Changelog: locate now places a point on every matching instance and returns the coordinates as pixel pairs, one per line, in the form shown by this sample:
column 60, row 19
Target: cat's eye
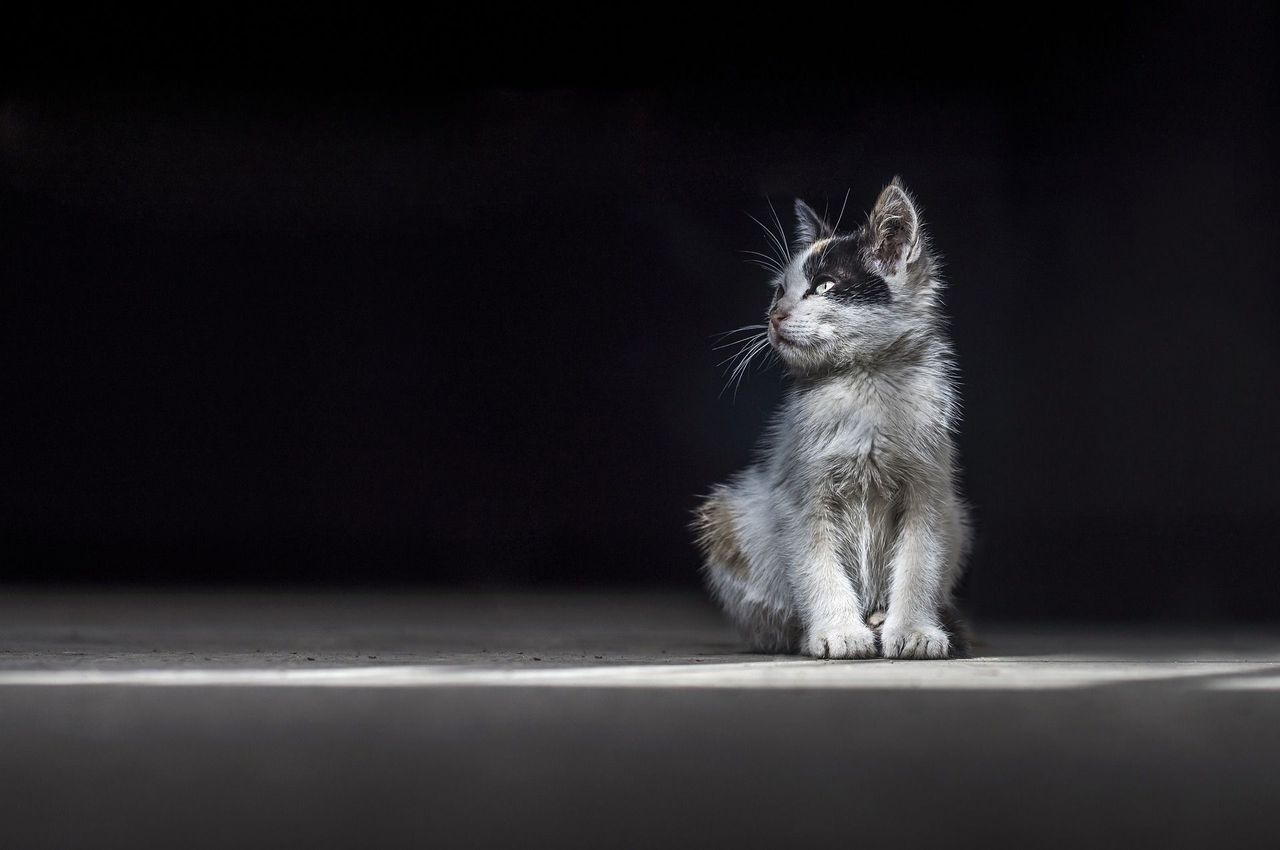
column 824, row 287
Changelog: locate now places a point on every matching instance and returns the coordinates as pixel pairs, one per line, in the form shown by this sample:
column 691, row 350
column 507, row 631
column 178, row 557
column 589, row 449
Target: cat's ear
column 895, row 230
column 810, row 227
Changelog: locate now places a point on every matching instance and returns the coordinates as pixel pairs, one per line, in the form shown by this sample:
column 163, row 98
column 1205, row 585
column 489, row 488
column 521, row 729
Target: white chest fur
column 878, row 428
column 839, row 421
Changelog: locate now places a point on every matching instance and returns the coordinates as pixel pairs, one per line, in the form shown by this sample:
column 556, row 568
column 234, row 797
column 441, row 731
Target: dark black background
column 347, row 302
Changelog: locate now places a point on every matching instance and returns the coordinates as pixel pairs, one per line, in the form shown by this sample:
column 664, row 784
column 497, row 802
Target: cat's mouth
column 782, row 340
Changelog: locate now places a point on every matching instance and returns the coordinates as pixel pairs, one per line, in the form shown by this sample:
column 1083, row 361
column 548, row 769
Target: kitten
column 846, row 537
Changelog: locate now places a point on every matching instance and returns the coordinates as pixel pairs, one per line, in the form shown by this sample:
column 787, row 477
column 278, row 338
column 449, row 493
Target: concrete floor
column 413, row 720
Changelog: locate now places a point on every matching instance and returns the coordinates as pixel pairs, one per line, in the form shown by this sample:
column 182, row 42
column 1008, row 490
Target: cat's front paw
column 852, row 641
column 914, row 640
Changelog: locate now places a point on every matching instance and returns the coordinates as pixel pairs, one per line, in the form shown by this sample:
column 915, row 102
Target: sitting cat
column 846, row 537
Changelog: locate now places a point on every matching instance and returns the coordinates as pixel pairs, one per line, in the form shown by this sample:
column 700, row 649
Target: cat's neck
column 911, row 351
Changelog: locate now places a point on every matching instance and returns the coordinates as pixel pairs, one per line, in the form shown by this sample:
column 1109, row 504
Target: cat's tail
column 957, row 629
column 740, row 586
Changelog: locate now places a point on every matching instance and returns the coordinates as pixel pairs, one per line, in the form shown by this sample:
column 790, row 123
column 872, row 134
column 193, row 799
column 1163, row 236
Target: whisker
column 840, row 217
column 733, row 342
column 743, row 328
column 765, row 260
column 782, row 231
column 746, row 345
column 733, row 381
column 742, row 342
column 784, row 255
column 759, row 362
column 740, row 370
column 744, row 368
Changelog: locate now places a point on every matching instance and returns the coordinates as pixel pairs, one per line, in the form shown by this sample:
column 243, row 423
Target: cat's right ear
column 810, row 227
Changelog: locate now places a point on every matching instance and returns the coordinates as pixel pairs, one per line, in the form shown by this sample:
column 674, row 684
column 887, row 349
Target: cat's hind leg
column 741, row 571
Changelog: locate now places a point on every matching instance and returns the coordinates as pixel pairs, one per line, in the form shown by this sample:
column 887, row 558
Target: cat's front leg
column 829, row 604
column 911, row 627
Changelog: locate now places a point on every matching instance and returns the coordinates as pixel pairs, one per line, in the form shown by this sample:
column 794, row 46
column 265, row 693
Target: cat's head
column 846, row 297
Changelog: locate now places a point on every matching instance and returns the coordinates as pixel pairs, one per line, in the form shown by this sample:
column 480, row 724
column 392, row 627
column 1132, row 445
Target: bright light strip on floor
column 797, row 674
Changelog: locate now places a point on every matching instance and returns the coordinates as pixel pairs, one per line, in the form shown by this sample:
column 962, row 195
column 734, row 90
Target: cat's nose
column 776, row 318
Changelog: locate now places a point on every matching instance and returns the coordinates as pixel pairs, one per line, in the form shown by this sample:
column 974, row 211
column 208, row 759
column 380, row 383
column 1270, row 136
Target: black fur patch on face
column 838, row 261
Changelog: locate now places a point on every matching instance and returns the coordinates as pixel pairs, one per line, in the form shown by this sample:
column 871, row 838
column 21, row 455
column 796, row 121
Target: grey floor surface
column 192, row 720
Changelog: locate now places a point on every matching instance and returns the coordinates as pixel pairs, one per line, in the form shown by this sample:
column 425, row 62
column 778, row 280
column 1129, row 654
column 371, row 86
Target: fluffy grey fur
column 845, row 538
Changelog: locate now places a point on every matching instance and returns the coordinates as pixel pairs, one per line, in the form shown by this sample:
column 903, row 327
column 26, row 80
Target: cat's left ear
column 895, row 229
column 810, row 227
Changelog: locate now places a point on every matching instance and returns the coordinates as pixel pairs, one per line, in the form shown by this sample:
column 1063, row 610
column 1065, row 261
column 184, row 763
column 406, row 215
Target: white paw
column 852, row 641
column 916, row 640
